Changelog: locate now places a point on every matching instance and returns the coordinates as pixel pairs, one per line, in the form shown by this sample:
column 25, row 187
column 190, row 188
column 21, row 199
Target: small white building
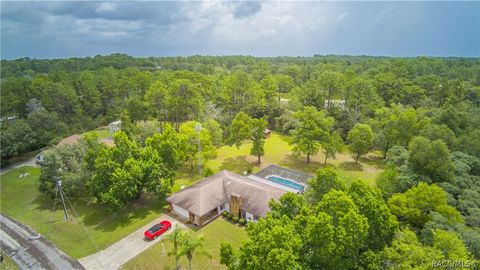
column 115, row 126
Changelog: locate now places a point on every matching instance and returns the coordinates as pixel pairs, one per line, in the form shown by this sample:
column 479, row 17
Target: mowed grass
column 102, row 133
column 7, row 263
column 92, row 229
column 156, row 257
column 278, row 151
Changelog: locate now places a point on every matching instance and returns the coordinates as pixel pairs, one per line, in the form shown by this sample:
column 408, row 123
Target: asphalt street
column 30, row 250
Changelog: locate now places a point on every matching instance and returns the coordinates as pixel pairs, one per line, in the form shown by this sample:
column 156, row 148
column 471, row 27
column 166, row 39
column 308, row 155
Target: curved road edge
column 30, row 250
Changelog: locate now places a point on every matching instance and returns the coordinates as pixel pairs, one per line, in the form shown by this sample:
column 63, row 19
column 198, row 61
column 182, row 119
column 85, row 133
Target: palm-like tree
column 190, row 245
column 176, row 237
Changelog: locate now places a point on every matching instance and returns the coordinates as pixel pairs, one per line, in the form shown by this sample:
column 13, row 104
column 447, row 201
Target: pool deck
column 271, row 183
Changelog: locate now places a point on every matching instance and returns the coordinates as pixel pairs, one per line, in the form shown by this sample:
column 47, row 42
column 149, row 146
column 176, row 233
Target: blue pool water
column 285, row 182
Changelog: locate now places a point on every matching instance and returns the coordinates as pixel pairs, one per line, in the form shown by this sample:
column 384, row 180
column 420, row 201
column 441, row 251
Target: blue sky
column 76, row 29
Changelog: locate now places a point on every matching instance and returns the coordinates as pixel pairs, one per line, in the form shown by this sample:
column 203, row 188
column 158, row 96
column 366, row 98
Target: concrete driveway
column 122, row 251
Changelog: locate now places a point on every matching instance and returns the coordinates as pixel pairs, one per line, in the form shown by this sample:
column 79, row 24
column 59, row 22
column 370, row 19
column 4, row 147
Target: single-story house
column 115, row 126
column 245, row 197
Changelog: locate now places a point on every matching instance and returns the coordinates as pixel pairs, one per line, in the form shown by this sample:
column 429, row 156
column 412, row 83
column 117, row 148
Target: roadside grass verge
column 8, row 263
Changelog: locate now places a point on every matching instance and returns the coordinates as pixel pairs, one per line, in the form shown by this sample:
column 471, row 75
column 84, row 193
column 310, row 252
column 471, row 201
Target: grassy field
column 7, row 263
column 278, row 151
column 101, row 132
column 218, row 231
column 93, row 230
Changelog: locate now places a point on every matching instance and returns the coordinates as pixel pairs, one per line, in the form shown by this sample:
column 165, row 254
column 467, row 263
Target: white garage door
column 182, row 212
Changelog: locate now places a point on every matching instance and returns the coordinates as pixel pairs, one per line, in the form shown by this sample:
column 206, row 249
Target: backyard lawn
column 21, row 200
column 218, row 231
column 278, row 151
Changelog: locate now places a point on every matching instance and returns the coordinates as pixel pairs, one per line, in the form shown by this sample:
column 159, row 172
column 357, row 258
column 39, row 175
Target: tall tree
column 331, row 83
column 331, row 146
column 430, row 159
column 89, row 94
column 416, row 204
column 325, row 180
column 361, row 139
column 244, row 128
column 311, row 129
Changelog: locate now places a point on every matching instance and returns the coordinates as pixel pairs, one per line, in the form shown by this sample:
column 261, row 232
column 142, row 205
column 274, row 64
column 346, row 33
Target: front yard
column 220, row 230
column 20, row 199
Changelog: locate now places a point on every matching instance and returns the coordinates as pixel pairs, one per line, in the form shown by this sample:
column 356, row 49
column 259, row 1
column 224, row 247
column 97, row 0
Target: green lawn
column 214, row 233
column 101, row 132
column 95, row 228
column 7, row 263
column 278, row 151
column 21, row 200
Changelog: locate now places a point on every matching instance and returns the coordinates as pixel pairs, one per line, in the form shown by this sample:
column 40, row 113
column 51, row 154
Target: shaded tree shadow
column 372, row 160
column 237, row 164
column 105, row 221
column 300, row 164
column 96, row 216
column 351, row 166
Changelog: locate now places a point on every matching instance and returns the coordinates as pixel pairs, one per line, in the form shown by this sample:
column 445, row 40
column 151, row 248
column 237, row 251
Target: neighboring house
column 115, row 126
column 245, row 197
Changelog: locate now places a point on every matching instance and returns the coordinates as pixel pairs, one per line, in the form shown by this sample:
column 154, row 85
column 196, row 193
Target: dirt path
column 122, row 251
column 30, row 250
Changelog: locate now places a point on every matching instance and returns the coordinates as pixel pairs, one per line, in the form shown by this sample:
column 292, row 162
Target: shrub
column 207, row 171
column 229, row 216
column 225, row 213
column 242, row 221
column 235, row 219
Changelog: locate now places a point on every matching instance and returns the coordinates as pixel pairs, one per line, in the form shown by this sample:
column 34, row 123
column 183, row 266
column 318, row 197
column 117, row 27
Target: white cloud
column 342, row 18
column 105, row 7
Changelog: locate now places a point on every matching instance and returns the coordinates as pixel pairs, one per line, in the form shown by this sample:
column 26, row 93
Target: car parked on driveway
column 157, row 230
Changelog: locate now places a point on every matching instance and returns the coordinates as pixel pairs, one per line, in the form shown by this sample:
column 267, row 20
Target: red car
column 157, row 230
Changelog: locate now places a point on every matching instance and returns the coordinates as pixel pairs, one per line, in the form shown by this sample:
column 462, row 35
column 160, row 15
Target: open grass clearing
column 278, row 151
column 220, row 230
column 102, row 132
column 93, row 230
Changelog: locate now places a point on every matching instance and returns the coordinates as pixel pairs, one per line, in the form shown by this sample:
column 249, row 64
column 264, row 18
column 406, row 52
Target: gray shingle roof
column 216, row 189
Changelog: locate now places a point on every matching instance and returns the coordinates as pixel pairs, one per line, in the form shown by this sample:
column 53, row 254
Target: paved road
column 31, row 162
column 30, row 250
column 122, row 251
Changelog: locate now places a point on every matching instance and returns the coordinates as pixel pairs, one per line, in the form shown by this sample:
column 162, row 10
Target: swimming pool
column 285, row 182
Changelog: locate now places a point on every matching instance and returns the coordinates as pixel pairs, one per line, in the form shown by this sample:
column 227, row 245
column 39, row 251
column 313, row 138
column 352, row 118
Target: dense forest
column 422, row 115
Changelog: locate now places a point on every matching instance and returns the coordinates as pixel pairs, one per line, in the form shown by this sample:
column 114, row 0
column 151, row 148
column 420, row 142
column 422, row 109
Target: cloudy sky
column 67, row 28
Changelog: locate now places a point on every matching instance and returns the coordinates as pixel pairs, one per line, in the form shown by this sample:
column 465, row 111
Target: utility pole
column 59, row 188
